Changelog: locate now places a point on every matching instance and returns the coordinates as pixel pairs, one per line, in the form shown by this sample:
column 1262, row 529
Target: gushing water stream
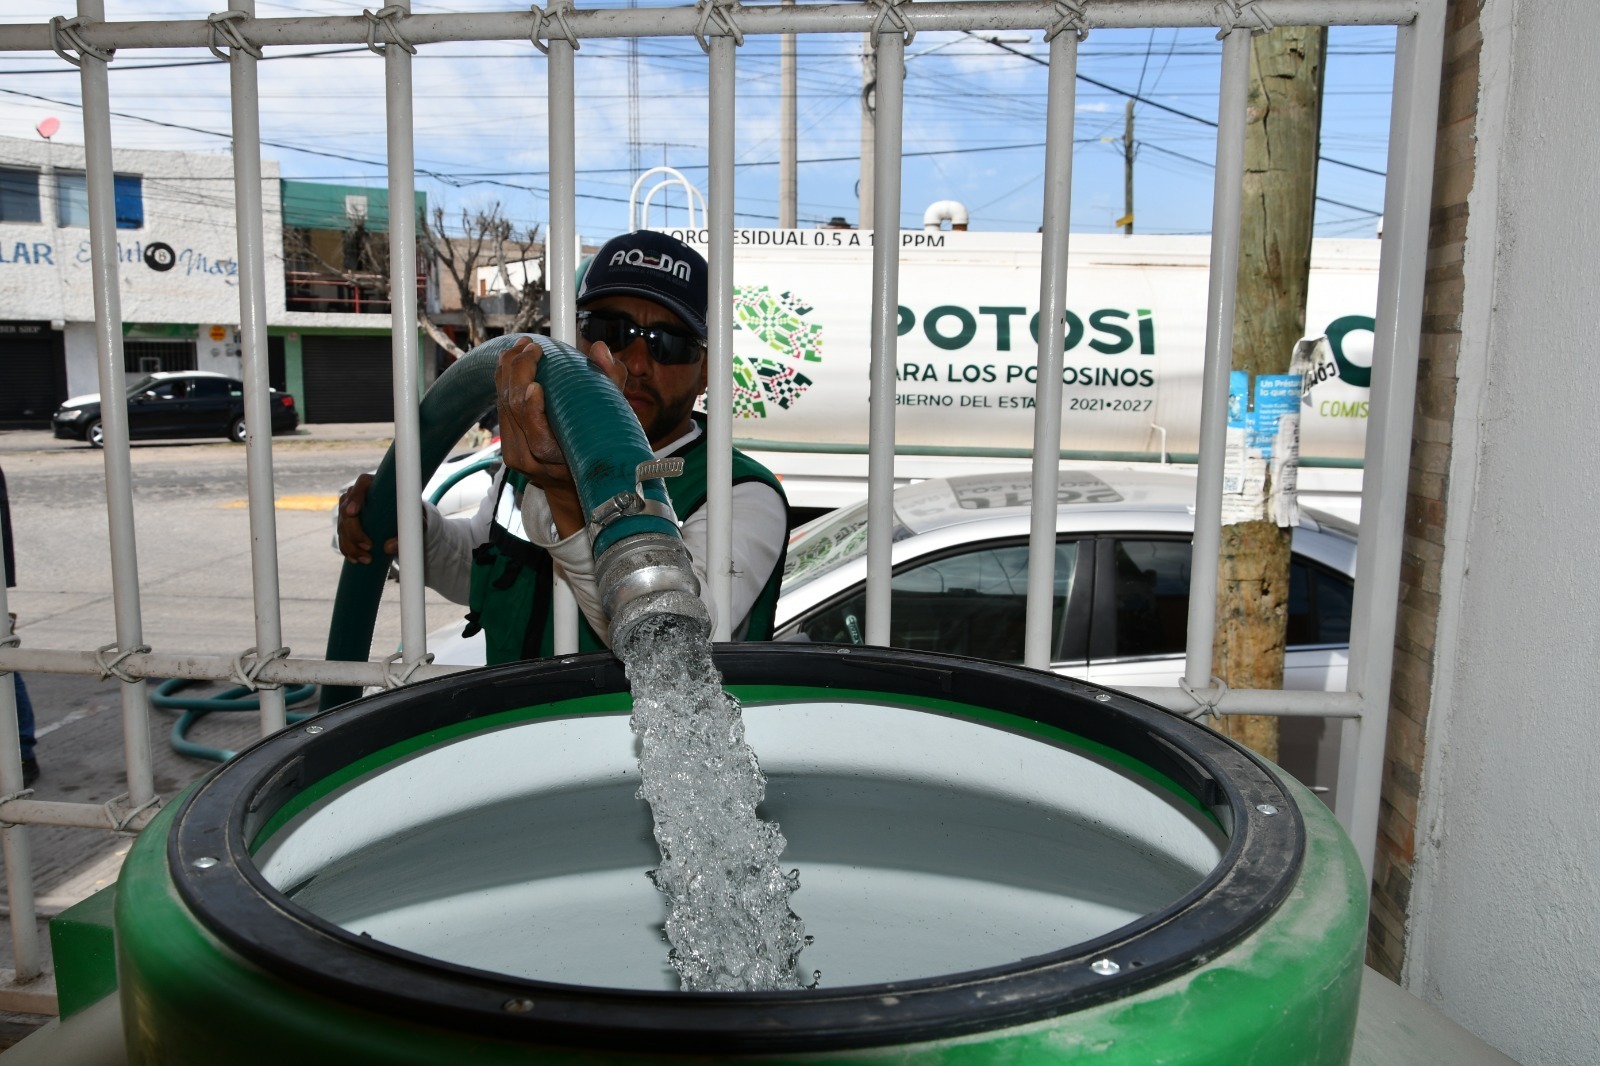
column 730, row 926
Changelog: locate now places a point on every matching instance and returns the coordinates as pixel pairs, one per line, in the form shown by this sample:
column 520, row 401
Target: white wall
column 1505, row 923
column 188, row 206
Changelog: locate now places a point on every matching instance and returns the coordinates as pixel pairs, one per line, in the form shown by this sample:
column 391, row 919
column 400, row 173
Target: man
column 642, row 320
column 30, row 765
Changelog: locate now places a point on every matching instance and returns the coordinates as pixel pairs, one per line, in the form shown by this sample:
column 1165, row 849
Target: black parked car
column 194, row 403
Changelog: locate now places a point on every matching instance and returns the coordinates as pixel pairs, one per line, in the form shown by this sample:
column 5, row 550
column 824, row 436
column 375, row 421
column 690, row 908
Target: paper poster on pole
column 1263, row 439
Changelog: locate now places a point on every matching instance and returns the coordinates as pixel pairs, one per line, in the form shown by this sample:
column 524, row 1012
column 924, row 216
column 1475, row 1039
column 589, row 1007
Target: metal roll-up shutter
column 347, row 379
column 33, row 373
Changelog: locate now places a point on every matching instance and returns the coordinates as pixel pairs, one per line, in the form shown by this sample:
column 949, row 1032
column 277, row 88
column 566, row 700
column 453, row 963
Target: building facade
column 327, row 309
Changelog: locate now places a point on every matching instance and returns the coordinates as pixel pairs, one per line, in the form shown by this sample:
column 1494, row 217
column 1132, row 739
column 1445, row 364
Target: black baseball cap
column 654, row 266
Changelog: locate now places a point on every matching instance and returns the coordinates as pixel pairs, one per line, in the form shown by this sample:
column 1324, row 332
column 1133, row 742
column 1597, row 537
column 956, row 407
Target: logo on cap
column 678, row 268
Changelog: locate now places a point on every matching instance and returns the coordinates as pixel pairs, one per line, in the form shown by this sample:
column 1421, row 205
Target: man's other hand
column 527, row 443
column 354, row 544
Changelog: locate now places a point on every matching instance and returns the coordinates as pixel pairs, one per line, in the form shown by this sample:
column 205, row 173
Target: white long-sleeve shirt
column 759, row 530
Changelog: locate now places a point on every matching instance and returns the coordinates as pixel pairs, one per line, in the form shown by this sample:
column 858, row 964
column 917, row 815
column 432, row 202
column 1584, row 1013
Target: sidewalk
column 43, row 440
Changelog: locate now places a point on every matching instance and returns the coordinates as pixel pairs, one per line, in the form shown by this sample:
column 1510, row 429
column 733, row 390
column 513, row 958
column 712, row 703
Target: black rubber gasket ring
column 235, row 903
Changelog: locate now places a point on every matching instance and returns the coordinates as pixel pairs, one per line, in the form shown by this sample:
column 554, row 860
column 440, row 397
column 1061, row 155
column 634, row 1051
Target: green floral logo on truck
column 771, row 374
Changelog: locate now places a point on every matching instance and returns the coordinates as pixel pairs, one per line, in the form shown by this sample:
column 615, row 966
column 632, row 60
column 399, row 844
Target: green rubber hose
column 457, row 400
column 578, row 399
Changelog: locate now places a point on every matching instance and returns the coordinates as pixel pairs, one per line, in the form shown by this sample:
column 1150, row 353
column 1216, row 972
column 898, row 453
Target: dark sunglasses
column 666, row 346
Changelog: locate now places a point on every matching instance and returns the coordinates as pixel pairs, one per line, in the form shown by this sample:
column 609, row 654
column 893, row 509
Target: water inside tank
column 927, row 844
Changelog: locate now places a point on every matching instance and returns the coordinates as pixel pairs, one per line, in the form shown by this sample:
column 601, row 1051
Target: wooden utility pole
column 1280, row 177
column 1127, row 167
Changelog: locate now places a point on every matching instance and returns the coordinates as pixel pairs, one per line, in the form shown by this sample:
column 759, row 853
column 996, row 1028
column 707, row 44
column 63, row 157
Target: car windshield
column 829, row 543
column 143, row 385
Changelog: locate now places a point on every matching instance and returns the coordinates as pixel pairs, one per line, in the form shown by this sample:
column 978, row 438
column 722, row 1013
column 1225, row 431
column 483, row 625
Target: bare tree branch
column 440, row 337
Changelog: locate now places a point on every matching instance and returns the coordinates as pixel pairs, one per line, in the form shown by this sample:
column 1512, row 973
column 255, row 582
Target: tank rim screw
column 1266, row 808
column 1103, row 698
column 205, row 862
column 518, row 1005
column 313, row 729
column 1104, row 967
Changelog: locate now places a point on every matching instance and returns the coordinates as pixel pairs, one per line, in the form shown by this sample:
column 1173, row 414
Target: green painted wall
column 318, row 206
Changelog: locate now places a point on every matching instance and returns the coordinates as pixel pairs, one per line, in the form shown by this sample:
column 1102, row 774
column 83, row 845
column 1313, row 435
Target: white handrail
column 638, row 216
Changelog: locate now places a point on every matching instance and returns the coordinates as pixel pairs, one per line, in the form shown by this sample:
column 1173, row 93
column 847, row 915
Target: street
column 195, row 595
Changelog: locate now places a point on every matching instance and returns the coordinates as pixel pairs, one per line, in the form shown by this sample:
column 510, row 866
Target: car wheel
column 237, row 431
column 95, row 434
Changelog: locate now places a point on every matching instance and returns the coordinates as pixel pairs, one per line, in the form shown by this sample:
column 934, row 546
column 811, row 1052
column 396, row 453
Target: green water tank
column 998, row 865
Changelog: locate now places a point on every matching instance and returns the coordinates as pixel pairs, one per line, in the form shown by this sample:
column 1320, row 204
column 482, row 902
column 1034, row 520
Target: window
column 211, row 388
column 1150, row 580
column 1319, row 605
column 973, row 603
column 19, row 195
column 175, row 389
column 72, row 199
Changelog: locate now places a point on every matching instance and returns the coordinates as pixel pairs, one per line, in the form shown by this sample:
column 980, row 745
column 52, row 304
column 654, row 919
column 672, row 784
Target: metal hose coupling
column 649, row 576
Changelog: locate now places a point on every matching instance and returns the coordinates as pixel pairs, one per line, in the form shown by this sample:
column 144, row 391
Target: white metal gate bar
column 1059, row 123
column 1402, row 266
column 245, row 99
column 719, row 391
column 888, row 94
column 113, row 382
column 1418, row 60
column 1227, row 207
column 403, row 301
column 561, row 253
column 435, row 28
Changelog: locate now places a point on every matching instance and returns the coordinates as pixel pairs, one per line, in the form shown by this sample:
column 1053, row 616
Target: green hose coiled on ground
column 195, row 708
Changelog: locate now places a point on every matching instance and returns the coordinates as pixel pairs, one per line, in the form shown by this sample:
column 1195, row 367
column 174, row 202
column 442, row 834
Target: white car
column 960, row 559
column 1123, row 559
column 960, row 576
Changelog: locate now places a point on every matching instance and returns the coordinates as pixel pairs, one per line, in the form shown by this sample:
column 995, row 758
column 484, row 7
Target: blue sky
column 974, row 122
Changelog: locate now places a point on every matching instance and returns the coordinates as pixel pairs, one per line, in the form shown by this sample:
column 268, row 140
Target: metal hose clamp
column 721, row 11
column 892, row 12
column 222, row 26
column 64, row 34
column 628, row 504
column 387, row 18
column 1072, row 17
column 544, row 17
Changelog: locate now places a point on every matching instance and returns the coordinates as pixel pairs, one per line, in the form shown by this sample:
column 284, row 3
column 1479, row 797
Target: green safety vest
column 512, row 578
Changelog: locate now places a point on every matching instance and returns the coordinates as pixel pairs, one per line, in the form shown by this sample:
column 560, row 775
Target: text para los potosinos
column 951, row 327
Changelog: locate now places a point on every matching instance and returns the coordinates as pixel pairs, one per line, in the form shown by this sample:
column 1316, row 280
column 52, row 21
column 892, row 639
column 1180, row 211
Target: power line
column 1212, row 165
column 486, row 177
column 996, row 42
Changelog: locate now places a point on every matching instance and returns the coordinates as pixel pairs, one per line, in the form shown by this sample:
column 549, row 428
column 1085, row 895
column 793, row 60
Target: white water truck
column 965, row 354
